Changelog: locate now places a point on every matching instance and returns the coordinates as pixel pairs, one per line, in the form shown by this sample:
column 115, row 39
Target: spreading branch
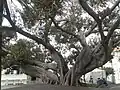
column 116, row 44
column 19, row 30
column 90, row 31
column 46, row 66
column 110, row 32
column 108, row 12
column 81, row 37
column 1, row 11
column 89, row 10
column 61, row 62
column 35, row 71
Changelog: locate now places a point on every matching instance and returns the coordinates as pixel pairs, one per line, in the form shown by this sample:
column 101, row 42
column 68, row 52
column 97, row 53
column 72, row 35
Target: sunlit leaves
column 37, row 10
column 101, row 3
column 21, row 52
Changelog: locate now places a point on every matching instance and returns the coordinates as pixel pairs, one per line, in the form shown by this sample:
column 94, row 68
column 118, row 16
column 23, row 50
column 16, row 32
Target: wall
column 95, row 74
column 13, row 79
column 116, row 66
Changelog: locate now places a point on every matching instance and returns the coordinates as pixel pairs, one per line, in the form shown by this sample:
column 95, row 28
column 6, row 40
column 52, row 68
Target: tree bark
column 38, row 63
column 61, row 64
column 1, row 12
column 39, row 72
column 82, row 60
column 87, row 61
column 0, row 57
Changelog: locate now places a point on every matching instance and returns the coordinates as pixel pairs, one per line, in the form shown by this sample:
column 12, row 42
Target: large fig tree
column 81, row 34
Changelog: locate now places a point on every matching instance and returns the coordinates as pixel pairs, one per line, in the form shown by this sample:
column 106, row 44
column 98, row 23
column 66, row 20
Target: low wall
column 13, row 79
column 55, row 87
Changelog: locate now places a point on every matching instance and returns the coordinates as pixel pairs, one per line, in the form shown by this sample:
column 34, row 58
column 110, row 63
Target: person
column 104, row 82
column 91, row 80
column 101, row 83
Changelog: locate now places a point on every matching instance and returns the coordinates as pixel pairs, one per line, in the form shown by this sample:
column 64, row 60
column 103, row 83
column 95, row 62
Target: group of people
column 100, row 82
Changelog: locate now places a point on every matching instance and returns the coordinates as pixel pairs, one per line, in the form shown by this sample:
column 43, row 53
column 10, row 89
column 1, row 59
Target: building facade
column 98, row 73
column 13, row 79
column 115, row 64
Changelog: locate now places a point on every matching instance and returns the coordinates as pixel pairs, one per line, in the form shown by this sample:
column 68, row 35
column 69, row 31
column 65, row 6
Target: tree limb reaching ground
column 75, row 32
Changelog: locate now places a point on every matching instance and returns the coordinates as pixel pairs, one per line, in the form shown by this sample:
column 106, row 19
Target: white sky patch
column 92, row 36
column 67, row 53
column 16, row 4
column 53, row 42
column 20, row 36
column 109, row 4
column 5, row 22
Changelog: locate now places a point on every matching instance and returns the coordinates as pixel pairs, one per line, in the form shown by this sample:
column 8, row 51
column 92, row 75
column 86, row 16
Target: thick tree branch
column 95, row 64
column 106, row 12
column 80, row 37
column 116, row 4
column 19, row 30
column 110, row 32
column 90, row 31
column 1, row 19
column 98, row 59
column 47, row 27
column 35, row 71
column 116, row 41
column 94, row 15
column 82, row 60
column 116, row 44
column 1, row 11
column 89, row 10
column 46, row 66
column 33, row 37
column 101, row 30
column 60, row 60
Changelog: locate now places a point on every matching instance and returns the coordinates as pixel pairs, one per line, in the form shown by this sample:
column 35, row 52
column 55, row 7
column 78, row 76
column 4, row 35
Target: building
column 13, row 79
column 95, row 74
column 115, row 64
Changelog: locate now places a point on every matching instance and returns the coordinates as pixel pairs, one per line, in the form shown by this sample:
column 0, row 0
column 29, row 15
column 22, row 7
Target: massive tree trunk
column 1, row 19
column 87, row 61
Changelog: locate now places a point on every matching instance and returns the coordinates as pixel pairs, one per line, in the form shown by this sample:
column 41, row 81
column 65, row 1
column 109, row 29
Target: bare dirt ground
column 56, row 87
